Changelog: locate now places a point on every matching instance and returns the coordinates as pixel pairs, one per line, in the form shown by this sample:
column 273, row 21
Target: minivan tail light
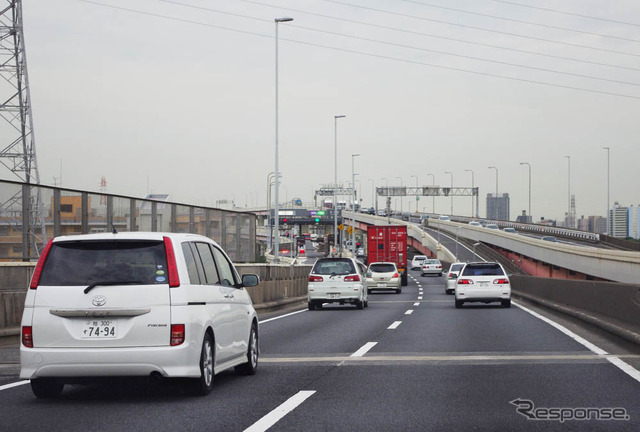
column 35, row 279
column 352, row 278
column 177, row 334
column 313, row 278
column 501, row 281
column 172, row 268
column 465, row 282
column 27, row 336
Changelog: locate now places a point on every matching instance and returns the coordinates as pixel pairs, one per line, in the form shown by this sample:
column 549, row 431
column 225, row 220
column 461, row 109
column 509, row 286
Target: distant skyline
column 177, row 97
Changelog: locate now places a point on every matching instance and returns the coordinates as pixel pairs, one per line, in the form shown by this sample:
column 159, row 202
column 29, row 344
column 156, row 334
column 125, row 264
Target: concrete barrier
column 612, row 306
column 279, row 285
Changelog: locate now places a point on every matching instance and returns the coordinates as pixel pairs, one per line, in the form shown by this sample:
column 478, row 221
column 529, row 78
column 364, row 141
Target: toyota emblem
column 99, row 300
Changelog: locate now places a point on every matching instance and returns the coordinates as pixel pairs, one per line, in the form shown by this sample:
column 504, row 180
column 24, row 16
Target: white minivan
column 136, row 304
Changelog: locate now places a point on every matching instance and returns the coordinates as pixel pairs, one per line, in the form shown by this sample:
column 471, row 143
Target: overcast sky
column 179, row 99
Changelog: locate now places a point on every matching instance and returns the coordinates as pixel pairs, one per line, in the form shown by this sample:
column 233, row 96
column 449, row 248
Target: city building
column 498, row 207
column 619, row 221
column 524, row 218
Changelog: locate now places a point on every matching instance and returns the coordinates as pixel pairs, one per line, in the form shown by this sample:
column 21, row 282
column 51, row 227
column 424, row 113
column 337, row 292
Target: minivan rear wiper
column 109, row 283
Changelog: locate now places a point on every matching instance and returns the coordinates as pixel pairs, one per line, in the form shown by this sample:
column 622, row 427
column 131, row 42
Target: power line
column 518, row 21
column 481, row 28
column 436, row 36
column 411, row 47
column 364, row 53
column 567, row 13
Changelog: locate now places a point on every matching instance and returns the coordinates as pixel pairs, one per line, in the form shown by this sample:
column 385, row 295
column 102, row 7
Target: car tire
column 44, row 388
column 318, row 304
column 505, row 303
column 360, row 304
column 368, row 291
column 459, row 303
column 312, row 306
column 399, row 290
column 366, row 303
column 251, row 366
column 202, row 386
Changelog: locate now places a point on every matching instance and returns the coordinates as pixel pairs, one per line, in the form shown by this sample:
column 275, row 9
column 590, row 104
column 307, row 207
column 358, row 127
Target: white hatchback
column 417, row 261
column 337, row 280
column 136, row 304
column 484, row 282
column 452, row 277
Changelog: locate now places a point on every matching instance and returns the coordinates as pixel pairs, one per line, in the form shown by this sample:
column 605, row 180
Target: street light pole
column 386, row 185
column 607, row 214
column 335, row 179
column 451, row 191
column 353, row 201
column 433, row 197
column 569, row 221
column 373, row 205
column 473, row 186
column 527, row 164
column 277, row 170
column 400, row 195
column 496, row 191
column 417, row 196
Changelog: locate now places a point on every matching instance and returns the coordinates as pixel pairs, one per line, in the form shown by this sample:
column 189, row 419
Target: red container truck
column 388, row 243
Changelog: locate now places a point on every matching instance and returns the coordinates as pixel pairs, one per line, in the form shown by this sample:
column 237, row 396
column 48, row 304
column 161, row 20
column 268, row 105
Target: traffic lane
column 384, row 397
column 117, row 405
column 435, row 325
column 334, row 328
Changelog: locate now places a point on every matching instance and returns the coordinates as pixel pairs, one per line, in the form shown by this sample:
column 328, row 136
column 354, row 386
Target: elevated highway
column 536, row 257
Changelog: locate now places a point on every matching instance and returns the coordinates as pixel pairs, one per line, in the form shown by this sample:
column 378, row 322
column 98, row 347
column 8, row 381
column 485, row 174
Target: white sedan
column 484, row 282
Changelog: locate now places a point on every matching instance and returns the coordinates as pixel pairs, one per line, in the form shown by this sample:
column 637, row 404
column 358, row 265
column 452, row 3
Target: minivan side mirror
column 250, row 280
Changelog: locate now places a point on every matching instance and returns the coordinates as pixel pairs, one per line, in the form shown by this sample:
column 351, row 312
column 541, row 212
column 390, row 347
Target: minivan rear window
column 83, row 263
column 334, row 266
column 382, row 268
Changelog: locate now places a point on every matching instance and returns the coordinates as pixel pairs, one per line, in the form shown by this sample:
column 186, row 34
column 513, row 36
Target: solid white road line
column 272, row 418
column 626, row 368
column 15, row 384
column 283, row 316
column 365, row 348
column 409, row 312
column 394, row 325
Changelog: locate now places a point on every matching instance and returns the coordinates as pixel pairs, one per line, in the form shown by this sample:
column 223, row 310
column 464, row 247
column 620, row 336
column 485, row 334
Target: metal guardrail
column 32, row 214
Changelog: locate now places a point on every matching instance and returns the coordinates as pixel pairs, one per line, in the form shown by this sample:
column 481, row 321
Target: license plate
column 99, row 329
column 334, row 295
column 382, row 285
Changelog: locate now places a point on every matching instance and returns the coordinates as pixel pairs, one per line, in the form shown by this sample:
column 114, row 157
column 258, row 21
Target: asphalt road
column 419, row 364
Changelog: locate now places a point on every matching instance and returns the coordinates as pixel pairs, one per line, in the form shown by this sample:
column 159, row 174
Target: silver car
column 431, row 266
column 383, row 276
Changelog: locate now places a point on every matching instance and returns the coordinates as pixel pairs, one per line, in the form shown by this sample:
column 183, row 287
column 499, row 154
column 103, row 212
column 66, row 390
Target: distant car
column 510, row 230
column 360, row 252
column 431, row 266
column 444, row 218
column 452, row 277
column 337, row 280
column 484, row 282
column 136, row 304
column 371, row 211
column 492, row 226
column 416, row 262
column 550, row 238
column 475, row 223
column 382, row 213
column 383, row 276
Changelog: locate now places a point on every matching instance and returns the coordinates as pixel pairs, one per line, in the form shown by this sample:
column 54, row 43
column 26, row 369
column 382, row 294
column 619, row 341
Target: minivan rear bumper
column 176, row 361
